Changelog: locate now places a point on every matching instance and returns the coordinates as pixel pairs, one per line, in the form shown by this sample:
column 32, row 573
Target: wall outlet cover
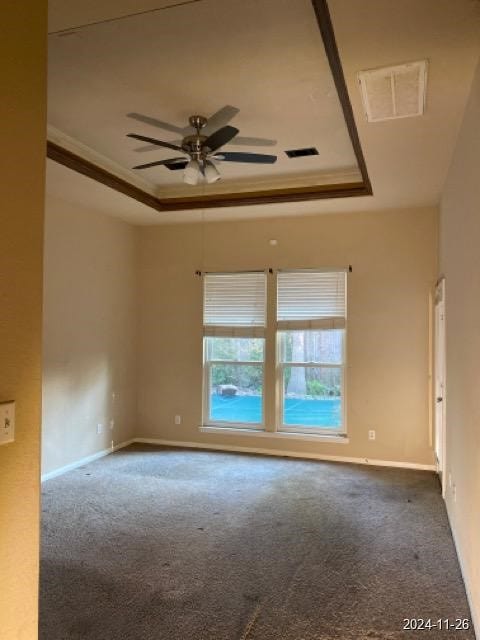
column 7, row 422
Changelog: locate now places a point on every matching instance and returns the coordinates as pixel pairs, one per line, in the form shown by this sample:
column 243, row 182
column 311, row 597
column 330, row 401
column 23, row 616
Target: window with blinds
column 234, row 304
column 311, row 313
column 304, row 349
column 311, row 299
column 234, row 319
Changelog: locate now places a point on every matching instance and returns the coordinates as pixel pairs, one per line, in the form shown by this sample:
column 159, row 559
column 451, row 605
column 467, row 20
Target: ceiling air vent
column 299, row 153
column 394, row 92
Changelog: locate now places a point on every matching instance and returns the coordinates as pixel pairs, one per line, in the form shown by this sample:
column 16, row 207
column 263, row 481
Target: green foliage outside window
column 247, row 378
column 244, row 377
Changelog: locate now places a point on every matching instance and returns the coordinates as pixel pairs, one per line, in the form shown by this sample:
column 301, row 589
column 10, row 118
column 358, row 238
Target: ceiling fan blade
column 153, row 147
column 220, row 137
column 254, row 142
column 160, row 162
column 238, row 140
column 157, row 123
column 239, row 156
column 154, row 141
column 149, row 147
column 219, row 119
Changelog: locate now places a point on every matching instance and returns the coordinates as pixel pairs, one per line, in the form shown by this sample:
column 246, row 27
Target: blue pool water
column 309, row 412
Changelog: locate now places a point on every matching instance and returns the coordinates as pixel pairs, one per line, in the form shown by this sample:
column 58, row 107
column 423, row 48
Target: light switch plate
column 7, row 422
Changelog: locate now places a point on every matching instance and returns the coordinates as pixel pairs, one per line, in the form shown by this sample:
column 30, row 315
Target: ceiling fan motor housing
column 193, row 145
column 197, row 122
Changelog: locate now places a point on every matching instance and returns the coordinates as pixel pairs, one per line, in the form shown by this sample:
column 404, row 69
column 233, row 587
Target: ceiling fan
column 201, row 152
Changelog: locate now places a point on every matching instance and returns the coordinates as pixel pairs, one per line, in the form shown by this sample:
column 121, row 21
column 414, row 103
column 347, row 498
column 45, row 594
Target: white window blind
column 311, row 299
column 234, row 304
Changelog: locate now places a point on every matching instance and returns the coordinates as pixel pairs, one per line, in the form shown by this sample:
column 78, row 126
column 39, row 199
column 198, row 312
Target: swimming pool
column 321, row 412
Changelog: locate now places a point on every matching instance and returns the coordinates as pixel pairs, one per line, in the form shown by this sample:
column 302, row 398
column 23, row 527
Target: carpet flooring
column 156, row 543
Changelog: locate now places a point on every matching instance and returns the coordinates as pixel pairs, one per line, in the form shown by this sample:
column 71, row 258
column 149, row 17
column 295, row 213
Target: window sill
column 256, row 433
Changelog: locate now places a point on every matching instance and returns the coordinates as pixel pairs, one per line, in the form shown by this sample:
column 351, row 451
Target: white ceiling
column 407, row 159
column 261, row 56
column 70, row 14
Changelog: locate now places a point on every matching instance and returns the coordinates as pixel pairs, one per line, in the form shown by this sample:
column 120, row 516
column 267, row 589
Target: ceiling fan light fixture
column 211, row 172
column 192, row 172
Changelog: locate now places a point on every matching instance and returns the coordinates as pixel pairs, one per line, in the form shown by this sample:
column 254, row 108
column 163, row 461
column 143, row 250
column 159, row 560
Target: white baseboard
column 259, row 450
column 287, row 454
column 471, row 602
column 79, row 463
column 278, row 435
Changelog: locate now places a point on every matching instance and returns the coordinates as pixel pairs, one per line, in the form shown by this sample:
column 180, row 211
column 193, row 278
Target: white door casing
column 440, row 382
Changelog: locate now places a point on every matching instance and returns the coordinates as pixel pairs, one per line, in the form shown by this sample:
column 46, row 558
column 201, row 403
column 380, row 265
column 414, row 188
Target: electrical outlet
column 450, row 479
column 178, row 419
column 7, row 422
column 112, row 424
column 371, row 434
column 99, row 428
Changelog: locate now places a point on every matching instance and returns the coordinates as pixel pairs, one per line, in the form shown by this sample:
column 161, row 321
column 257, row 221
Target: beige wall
column 89, row 372
column 460, row 263
column 394, row 268
column 22, row 118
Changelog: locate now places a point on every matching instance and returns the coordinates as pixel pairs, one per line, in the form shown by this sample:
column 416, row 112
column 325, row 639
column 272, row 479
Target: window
column 309, row 354
column 311, row 380
column 234, row 349
column 311, row 313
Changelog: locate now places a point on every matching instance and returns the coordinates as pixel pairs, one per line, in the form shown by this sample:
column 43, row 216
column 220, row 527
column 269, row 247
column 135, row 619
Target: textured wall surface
column 89, row 375
column 394, row 268
column 22, row 116
column 460, row 264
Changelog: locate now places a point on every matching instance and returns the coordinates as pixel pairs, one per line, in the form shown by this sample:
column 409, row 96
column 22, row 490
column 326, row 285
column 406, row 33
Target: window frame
column 233, row 332
column 272, row 403
column 207, row 368
column 281, row 427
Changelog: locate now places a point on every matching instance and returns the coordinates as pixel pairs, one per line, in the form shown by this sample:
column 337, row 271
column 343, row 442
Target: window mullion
column 270, row 355
column 206, row 391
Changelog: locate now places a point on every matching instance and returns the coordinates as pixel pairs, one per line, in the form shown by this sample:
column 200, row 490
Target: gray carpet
column 153, row 543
